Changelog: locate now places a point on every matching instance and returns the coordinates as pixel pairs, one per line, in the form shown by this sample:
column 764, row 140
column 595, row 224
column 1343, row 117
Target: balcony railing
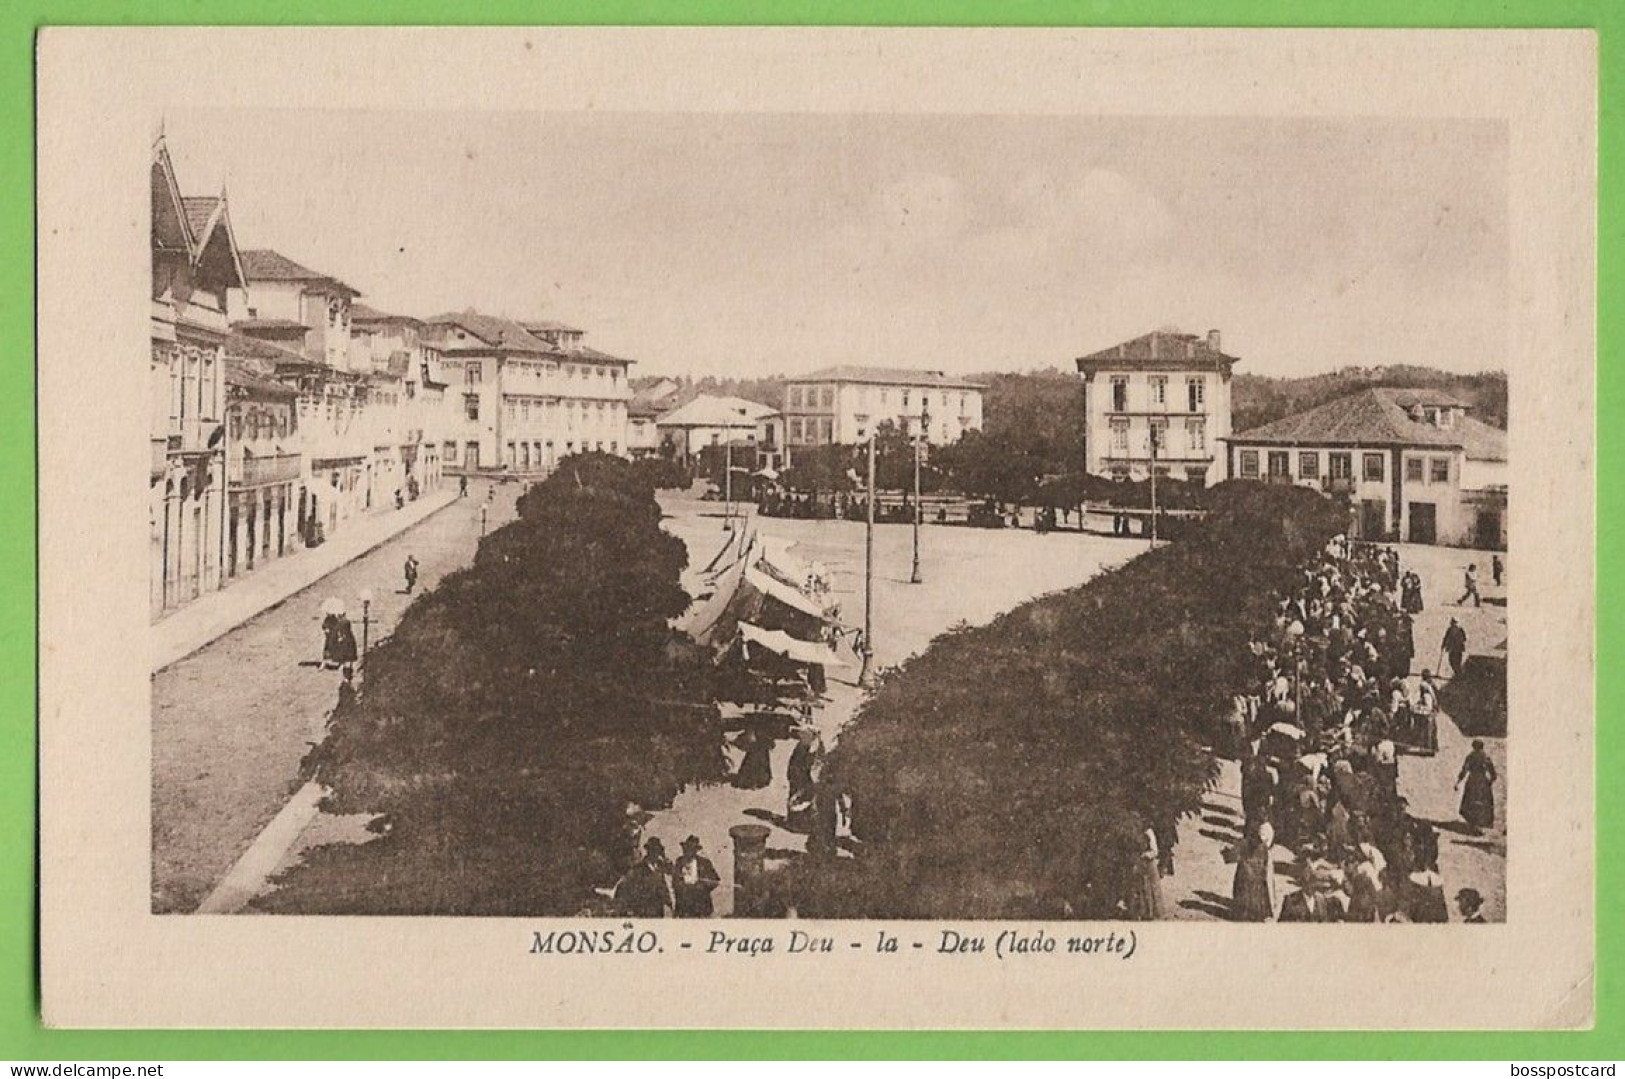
column 258, row 471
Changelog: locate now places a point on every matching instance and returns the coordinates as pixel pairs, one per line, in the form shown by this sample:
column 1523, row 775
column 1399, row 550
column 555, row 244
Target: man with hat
column 1471, row 905
column 1312, row 902
column 644, row 891
column 693, row 879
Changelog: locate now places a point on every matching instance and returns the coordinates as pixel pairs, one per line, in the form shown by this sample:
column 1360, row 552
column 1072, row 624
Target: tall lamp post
column 1153, row 485
column 866, row 676
column 728, row 483
column 366, row 621
column 919, row 510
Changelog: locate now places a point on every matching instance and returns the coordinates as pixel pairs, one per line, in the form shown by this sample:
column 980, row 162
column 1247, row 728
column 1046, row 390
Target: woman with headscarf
column 1144, row 899
column 1478, row 799
column 1253, row 893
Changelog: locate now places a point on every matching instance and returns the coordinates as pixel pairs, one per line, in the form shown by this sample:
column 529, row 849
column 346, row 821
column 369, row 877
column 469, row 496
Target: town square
column 464, row 609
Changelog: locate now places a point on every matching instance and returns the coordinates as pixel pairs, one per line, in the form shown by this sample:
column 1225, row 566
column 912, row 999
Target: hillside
column 1260, row 399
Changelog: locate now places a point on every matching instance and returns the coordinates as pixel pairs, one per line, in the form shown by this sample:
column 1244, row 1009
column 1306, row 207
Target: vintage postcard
column 816, row 528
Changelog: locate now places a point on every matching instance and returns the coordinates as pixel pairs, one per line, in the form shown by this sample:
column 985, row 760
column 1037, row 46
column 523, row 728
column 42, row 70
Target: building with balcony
column 1412, row 463
column 1160, row 401
column 835, row 405
column 195, row 265
column 405, row 399
column 264, row 465
column 521, row 396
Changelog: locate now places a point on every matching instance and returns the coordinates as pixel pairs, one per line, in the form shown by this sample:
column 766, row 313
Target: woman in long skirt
column 1253, row 894
column 756, row 769
column 1478, row 798
column 1145, row 884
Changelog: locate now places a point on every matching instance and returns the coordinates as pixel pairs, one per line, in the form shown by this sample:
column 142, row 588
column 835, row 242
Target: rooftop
column 1383, row 416
column 887, row 376
column 265, row 265
column 709, row 411
column 360, row 312
column 496, row 332
column 1160, row 347
column 547, row 325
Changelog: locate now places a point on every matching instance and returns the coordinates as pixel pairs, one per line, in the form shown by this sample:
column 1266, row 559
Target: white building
column 1412, row 463
column 1164, row 396
column 836, row 405
column 522, row 396
column 709, row 421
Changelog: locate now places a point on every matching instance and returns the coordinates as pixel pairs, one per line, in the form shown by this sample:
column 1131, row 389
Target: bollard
column 750, row 858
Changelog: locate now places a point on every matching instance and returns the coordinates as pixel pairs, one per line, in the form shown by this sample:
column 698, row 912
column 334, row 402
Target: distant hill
column 766, row 391
column 1261, row 399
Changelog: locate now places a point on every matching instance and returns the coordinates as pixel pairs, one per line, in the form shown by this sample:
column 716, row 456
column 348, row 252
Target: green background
column 22, row 1037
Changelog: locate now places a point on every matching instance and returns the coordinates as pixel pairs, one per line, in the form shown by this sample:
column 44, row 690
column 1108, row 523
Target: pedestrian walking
column 1253, row 891
column 1496, row 569
column 462, row 486
column 411, row 572
column 1478, row 798
column 806, row 762
column 1470, row 587
column 693, row 880
column 1455, row 646
column 1144, row 899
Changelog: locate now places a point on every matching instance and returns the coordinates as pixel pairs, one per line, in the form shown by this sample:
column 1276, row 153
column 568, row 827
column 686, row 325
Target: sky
column 775, row 244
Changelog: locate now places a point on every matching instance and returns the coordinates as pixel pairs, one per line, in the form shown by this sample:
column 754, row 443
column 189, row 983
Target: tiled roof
column 264, row 356
column 642, row 406
column 887, row 376
column 1378, row 417
column 1160, row 347
column 243, row 374
column 496, row 332
column 708, row 411
column 585, row 353
column 360, row 312
column 265, row 265
column 547, row 325
column 252, row 325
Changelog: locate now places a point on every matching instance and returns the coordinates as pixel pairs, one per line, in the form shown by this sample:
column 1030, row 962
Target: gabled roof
column 547, row 325
column 1160, row 348
column 200, row 213
column 1379, row 417
column 264, row 356
column 642, row 406
column 263, row 264
column 887, row 376
column 496, row 332
column 582, row 352
column 170, row 230
column 244, row 375
column 708, row 411
column 361, row 313
column 269, row 327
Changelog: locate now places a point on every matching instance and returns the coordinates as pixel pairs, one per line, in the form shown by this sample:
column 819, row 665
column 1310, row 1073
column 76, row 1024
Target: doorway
column 1424, row 522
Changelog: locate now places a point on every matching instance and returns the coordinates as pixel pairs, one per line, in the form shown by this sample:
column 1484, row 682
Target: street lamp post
column 366, row 621
column 728, row 482
column 919, row 510
column 866, row 676
column 1153, row 485
column 482, row 519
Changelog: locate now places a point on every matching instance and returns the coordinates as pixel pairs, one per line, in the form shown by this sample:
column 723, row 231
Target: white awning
column 791, row 648
column 786, row 595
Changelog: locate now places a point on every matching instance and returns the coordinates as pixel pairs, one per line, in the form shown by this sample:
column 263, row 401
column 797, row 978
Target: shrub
column 1010, row 769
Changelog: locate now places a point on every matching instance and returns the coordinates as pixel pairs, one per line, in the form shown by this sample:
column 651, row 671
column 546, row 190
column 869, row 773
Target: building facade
column 195, row 265
column 1413, row 465
column 837, row 405
column 264, row 465
column 1160, row 401
column 405, row 399
column 520, row 397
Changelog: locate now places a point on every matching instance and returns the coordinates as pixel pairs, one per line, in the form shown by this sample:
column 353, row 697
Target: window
column 1440, row 469
column 471, row 406
column 1249, row 464
column 449, row 452
column 1119, row 395
column 1413, row 470
column 1159, row 390
column 1196, row 393
column 826, row 397
column 1371, row 467
column 1119, row 436
column 473, row 373
column 1196, row 436
column 794, row 430
column 905, row 398
column 1279, row 462
column 1340, row 466
column 792, row 397
column 1308, row 465
column 1158, row 441
column 524, row 410
column 826, row 431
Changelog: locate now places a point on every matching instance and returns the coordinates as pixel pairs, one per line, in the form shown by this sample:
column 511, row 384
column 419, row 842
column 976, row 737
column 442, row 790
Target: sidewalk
column 209, row 617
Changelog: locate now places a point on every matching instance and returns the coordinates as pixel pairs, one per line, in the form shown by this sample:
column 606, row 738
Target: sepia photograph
column 835, row 517
column 638, row 520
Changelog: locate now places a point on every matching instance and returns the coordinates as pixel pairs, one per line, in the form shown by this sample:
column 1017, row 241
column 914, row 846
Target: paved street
column 231, row 722
column 971, row 575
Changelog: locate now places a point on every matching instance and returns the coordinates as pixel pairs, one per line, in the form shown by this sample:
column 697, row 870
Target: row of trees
column 1011, row 769
column 515, row 710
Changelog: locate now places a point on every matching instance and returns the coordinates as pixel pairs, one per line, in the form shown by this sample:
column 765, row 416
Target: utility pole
column 866, row 676
column 728, row 483
column 925, row 425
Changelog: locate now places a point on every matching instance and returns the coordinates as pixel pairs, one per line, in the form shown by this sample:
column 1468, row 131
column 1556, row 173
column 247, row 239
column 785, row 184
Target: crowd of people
column 1321, row 733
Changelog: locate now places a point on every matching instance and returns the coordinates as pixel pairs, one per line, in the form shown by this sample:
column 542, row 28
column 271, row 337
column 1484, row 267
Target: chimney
column 1213, row 340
